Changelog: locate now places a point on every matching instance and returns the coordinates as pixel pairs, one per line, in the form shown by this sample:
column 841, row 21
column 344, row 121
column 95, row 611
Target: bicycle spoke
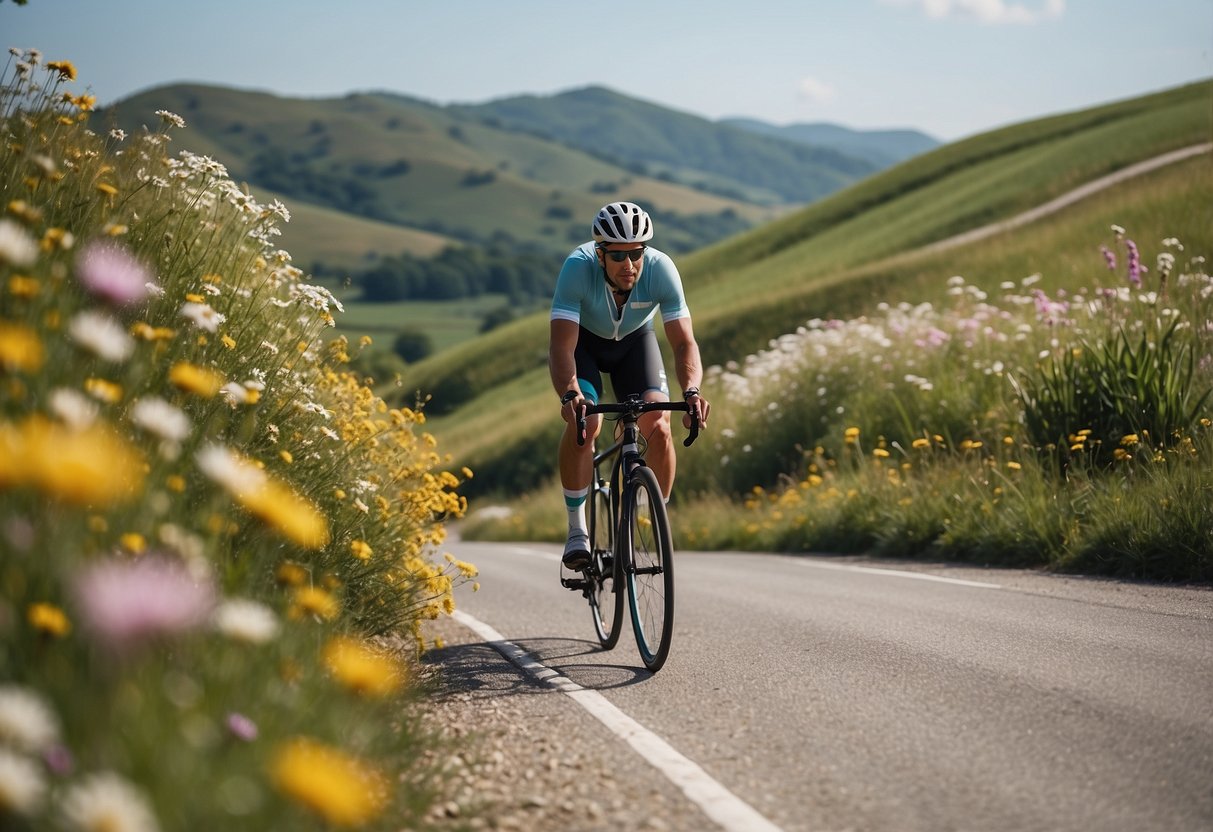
column 651, row 579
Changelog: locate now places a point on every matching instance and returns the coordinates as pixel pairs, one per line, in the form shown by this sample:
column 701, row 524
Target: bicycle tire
column 605, row 594
column 650, row 568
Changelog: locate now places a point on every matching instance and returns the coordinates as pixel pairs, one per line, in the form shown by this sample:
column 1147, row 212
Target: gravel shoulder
column 524, row 756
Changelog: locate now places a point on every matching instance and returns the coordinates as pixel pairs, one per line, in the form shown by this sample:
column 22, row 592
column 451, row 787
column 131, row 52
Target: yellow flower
column 23, row 287
column 147, row 332
column 107, row 189
column 970, row 444
column 362, row 668
column 342, row 789
column 880, row 452
column 921, row 443
column 93, row 466
column 133, row 542
column 361, row 549
column 291, row 574
column 65, row 69
column 102, row 390
column 20, row 348
column 1013, row 465
column 228, row 341
column 852, row 435
column 194, row 379
column 290, row 514
column 49, row 619
column 310, row 600
column 1130, row 440
column 176, row 483
column 286, row 457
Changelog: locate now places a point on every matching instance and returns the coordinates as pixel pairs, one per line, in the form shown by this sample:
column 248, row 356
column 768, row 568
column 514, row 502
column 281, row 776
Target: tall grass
column 216, row 541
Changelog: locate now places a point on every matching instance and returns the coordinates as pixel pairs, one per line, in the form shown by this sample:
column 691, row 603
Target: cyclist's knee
column 655, row 426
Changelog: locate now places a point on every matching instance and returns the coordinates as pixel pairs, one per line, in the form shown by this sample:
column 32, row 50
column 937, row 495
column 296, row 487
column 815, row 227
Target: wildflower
column 109, row 271
column 1129, row 440
column 1121, row 455
column 127, row 603
column 158, row 417
column 202, row 315
column 27, row 723
column 107, row 802
column 310, row 600
column 171, row 118
column 361, row 549
column 22, row 786
column 107, row 189
column 1109, row 257
column 20, row 348
column 241, row 727
column 17, row 248
column 49, row 619
column 73, row 408
column 194, row 379
column 1135, row 267
column 291, row 574
column 93, row 466
column 103, row 391
column 101, row 335
column 133, row 542
column 55, row 238
column 65, row 69
column 1013, row 465
column 20, row 286
column 880, row 453
column 851, row 435
column 361, row 668
column 340, row 788
column 246, row 620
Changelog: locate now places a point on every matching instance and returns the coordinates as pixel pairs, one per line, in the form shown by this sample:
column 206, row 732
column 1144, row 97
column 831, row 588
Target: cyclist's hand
column 699, row 408
column 574, row 408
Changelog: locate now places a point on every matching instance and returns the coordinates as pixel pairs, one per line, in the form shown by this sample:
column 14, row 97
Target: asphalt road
column 844, row 693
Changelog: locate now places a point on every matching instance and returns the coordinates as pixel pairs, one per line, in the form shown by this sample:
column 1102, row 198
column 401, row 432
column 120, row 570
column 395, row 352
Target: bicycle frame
column 637, row 523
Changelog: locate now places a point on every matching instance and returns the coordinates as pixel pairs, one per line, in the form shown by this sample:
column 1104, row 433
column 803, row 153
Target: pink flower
column 109, row 271
column 241, row 727
column 127, row 603
column 1109, row 258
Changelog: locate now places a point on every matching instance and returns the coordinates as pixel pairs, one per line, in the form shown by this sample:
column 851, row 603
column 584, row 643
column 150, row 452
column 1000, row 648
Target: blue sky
column 948, row 67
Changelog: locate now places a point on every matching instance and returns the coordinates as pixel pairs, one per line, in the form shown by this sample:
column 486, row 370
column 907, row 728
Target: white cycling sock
column 574, row 503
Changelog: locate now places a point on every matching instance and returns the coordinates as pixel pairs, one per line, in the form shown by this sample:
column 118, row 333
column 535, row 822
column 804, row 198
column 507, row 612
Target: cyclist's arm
column 688, row 365
column 561, row 345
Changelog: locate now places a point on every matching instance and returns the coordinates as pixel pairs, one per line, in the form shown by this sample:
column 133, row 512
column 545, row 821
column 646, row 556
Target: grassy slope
column 950, row 190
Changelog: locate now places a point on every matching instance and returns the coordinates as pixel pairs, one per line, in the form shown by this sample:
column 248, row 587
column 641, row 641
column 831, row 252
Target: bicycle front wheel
column 650, row 572
column 606, row 596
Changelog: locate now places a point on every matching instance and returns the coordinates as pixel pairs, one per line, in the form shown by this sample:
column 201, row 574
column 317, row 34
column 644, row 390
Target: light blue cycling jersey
column 584, row 297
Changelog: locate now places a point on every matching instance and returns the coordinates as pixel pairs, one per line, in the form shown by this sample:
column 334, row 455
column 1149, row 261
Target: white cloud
column 815, row 90
column 987, row 11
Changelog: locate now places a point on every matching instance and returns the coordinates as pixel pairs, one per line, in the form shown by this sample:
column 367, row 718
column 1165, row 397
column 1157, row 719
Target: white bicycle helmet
column 622, row 222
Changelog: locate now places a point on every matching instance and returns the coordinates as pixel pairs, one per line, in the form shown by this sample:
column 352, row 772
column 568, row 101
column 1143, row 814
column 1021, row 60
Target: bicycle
column 630, row 541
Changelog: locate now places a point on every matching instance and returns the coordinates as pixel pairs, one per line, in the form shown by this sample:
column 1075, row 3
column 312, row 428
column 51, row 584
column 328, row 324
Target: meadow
column 217, row 543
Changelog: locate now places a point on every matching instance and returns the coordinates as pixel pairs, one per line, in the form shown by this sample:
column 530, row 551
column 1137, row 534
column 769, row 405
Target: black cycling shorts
column 633, row 363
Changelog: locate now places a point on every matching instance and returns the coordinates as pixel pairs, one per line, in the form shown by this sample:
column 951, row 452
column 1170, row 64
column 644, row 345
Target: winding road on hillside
column 810, row 693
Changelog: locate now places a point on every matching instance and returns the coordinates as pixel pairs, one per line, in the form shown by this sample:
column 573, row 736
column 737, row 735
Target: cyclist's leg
column 642, row 372
column 576, row 461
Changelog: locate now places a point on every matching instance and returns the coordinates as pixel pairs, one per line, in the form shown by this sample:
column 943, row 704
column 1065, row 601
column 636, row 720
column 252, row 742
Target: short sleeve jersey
column 583, row 296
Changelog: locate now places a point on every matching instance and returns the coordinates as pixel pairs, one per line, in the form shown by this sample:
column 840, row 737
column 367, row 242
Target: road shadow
column 481, row 670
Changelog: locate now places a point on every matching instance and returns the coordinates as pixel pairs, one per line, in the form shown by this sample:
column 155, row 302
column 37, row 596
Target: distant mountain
column 880, row 147
column 369, row 175
column 693, row 151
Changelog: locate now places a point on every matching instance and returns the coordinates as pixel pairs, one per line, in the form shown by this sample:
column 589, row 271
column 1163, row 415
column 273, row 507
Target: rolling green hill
column 372, row 174
column 492, row 398
column 883, row 148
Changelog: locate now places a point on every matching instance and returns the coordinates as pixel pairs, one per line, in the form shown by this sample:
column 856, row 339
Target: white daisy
column 203, row 316
column 26, row 722
column 77, row 410
column 106, row 801
column 17, row 248
column 22, row 787
column 158, row 417
column 101, row 335
column 246, row 620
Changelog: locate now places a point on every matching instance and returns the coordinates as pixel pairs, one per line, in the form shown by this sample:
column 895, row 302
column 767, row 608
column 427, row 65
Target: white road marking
column 895, row 573
column 730, row 812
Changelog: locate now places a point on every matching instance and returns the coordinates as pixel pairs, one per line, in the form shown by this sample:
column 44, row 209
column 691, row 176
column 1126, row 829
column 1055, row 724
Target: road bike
column 630, row 543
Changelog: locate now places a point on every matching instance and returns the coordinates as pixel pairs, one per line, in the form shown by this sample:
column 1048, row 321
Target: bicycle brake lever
column 581, row 427
column 694, row 434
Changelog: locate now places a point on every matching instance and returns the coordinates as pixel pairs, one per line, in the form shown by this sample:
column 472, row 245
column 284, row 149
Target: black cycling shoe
column 576, row 551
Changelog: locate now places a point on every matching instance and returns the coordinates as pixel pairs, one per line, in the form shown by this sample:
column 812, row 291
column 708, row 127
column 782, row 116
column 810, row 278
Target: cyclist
column 607, row 296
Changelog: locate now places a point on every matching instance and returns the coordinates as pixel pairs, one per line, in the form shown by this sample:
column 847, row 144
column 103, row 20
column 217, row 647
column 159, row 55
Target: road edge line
column 728, row 810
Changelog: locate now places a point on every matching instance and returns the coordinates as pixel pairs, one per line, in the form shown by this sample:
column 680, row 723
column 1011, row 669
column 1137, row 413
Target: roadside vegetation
column 217, row 544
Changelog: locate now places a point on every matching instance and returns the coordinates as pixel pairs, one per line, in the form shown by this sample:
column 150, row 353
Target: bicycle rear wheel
column 650, row 573
column 605, row 595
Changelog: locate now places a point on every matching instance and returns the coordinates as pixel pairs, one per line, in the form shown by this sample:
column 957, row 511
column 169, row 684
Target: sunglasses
column 633, row 254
